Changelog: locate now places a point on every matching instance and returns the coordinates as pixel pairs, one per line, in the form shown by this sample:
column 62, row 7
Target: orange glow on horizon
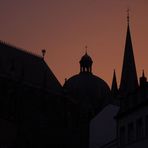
column 64, row 27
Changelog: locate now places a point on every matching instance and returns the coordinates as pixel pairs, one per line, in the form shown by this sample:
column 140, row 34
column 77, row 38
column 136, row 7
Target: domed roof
column 89, row 89
column 86, row 58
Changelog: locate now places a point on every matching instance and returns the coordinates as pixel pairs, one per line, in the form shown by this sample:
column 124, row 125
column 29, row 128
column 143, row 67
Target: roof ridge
column 20, row 49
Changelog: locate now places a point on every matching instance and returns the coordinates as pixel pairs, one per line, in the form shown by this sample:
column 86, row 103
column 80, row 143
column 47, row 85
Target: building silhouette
column 36, row 111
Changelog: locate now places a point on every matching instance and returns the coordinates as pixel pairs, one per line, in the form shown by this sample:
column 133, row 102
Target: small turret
column 86, row 63
column 114, row 88
column 143, row 80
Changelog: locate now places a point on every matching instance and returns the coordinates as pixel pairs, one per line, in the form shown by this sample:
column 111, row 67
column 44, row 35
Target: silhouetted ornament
column 43, row 53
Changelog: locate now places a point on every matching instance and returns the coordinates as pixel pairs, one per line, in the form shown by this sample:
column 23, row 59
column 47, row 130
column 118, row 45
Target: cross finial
column 86, row 49
column 128, row 15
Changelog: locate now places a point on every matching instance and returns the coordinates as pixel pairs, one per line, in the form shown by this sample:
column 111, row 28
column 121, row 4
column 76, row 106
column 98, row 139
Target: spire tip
column 128, row 16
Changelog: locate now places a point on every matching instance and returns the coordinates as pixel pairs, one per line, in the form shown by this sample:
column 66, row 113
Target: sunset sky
column 64, row 27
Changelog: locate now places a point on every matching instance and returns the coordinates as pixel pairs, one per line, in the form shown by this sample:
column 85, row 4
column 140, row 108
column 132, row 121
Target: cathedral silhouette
column 36, row 111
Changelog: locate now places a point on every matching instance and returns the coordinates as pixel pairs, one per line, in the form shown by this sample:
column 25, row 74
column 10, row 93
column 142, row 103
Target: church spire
column 114, row 88
column 129, row 81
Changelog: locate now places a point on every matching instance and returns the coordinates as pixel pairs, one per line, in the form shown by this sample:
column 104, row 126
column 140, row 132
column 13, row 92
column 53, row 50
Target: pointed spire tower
column 114, row 88
column 129, row 81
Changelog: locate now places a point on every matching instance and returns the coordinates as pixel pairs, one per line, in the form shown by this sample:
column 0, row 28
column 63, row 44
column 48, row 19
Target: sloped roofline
column 20, row 49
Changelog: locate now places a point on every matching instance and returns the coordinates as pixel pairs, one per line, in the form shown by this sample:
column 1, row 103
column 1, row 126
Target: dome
column 89, row 90
column 86, row 58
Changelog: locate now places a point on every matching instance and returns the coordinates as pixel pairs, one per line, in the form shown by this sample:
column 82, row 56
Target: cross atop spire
column 86, row 48
column 128, row 16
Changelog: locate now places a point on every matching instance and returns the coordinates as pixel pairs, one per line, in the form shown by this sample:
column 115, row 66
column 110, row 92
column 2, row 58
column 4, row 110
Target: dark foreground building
column 30, row 100
column 36, row 111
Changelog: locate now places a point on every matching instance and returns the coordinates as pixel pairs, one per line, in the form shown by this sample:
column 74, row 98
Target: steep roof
column 31, row 68
column 129, row 81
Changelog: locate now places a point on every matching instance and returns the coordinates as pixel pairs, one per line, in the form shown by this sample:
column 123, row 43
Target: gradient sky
column 64, row 27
